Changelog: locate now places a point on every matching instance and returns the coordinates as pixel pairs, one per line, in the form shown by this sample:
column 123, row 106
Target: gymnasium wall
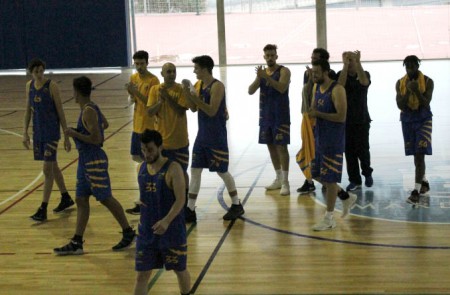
column 64, row 33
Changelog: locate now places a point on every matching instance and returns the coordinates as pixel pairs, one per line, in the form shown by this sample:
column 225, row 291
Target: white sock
column 329, row 215
column 191, row 203
column 278, row 173
column 417, row 186
column 235, row 200
column 310, row 181
column 424, row 178
column 285, row 176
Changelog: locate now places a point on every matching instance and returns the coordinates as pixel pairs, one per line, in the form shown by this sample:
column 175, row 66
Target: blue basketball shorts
column 45, row 151
column 275, row 134
column 327, row 167
column 417, row 137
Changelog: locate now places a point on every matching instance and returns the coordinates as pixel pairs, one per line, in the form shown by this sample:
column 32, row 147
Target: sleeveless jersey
column 330, row 136
column 45, row 117
column 212, row 131
column 273, row 105
column 84, row 146
column 157, row 200
column 419, row 115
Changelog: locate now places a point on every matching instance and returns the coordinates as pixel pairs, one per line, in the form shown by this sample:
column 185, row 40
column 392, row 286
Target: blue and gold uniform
column 211, row 144
column 274, row 113
column 92, row 172
column 417, row 122
column 329, row 140
column 46, row 130
column 157, row 198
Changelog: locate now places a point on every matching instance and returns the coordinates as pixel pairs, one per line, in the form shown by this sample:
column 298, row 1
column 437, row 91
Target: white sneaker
column 276, row 184
column 285, row 189
column 348, row 204
column 325, row 224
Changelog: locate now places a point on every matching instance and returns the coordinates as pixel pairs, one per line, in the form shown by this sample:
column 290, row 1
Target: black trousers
column 357, row 150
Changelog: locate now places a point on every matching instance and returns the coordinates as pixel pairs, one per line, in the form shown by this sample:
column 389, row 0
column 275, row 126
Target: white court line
column 22, row 190
column 29, row 185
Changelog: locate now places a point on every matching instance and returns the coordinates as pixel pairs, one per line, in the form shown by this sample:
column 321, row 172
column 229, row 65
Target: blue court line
column 222, row 202
column 227, row 231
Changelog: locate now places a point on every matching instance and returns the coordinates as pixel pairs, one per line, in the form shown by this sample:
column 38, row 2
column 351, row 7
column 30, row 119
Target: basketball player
column 138, row 88
column 43, row 103
column 274, row 115
column 414, row 93
column 211, row 144
column 162, row 230
column 330, row 109
column 307, row 91
column 92, row 173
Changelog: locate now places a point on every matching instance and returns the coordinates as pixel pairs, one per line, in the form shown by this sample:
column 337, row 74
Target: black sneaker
column 189, row 215
column 40, row 215
column 127, row 240
column 73, row 248
column 63, row 205
column 234, row 212
column 425, row 187
column 134, row 211
column 413, row 198
column 306, row 188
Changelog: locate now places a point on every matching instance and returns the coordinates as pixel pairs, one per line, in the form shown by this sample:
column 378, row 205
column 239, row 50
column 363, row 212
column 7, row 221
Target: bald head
column 169, row 73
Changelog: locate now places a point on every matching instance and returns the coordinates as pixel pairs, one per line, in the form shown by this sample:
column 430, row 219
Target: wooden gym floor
column 385, row 246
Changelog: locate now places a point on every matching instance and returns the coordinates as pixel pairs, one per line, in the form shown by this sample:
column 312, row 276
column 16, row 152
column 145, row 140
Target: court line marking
column 381, row 245
column 62, row 169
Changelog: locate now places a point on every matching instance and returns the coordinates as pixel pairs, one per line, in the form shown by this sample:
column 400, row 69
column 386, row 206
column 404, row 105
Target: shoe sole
column 272, row 188
column 38, row 220
column 228, row 219
column 304, row 193
column 62, row 211
column 126, row 247
column 133, row 213
column 324, row 229
column 354, row 189
column 68, row 253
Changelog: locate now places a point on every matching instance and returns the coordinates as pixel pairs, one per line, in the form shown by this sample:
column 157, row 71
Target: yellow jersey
column 141, row 120
column 171, row 125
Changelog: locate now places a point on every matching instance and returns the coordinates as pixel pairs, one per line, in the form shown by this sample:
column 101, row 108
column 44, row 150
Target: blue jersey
column 157, row 199
column 84, row 146
column 212, row 131
column 330, row 136
column 273, row 105
column 45, row 117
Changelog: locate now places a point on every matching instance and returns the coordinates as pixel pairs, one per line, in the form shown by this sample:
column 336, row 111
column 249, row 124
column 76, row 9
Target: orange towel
column 413, row 100
column 306, row 154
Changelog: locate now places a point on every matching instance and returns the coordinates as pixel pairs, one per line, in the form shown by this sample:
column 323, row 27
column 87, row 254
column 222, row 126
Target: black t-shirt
column 357, row 110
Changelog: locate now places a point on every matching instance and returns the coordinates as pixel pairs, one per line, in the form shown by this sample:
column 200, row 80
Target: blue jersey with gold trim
column 330, row 136
column 81, row 128
column 273, row 105
column 212, row 131
column 157, row 199
column 45, row 117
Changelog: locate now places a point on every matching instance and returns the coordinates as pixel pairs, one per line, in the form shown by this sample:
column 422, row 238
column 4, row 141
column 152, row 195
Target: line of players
column 335, row 120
